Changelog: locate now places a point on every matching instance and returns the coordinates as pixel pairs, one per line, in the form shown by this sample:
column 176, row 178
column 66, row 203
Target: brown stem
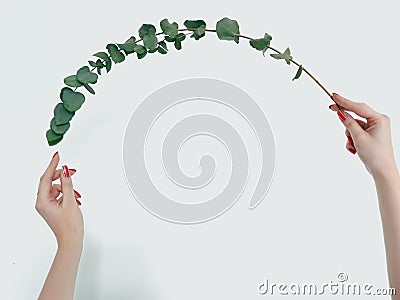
column 277, row 51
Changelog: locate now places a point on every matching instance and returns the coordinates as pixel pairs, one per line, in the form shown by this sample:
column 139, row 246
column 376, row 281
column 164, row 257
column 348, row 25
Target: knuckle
column 385, row 118
column 39, row 206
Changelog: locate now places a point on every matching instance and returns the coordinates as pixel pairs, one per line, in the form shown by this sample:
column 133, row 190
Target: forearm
column 60, row 282
column 388, row 191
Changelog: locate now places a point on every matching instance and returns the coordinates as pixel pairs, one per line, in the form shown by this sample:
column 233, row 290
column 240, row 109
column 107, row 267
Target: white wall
column 320, row 215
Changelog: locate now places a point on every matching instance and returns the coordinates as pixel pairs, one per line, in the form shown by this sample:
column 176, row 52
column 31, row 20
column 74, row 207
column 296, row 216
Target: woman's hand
column 371, row 139
column 62, row 214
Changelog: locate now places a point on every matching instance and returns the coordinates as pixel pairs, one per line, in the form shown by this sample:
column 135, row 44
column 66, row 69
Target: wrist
column 387, row 173
column 70, row 243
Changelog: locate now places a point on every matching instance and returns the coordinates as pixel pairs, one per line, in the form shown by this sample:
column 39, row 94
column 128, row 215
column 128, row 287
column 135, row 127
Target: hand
column 63, row 214
column 371, row 139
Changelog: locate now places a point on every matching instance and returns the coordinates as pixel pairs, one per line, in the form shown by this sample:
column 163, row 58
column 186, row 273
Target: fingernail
column 341, row 115
column 55, row 154
column 350, row 139
column 79, row 202
column 352, row 150
column 331, row 106
column 65, row 171
column 77, row 194
column 73, row 170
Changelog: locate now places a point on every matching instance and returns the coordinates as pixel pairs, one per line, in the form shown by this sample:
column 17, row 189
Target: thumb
column 351, row 124
column 66, row 185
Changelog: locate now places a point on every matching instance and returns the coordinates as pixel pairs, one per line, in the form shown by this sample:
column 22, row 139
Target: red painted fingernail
column 77, row 194
column 79, row 202
column 73, row 170
column 341, row 115
column 350, row 139
column 65, row 171
column 352, row 150
column 55, row 154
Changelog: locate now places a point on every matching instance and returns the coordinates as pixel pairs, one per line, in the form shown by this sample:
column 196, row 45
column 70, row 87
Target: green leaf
column 129, row 45
column 199, row 27
column 162, row 47
column 298, row 73
column 261, row 44
column 84, row 75
column 102, row 55
column 53, row 138
column 72, row 81
column 116, row 55
column 98, row 70
column 92, row 63
column 108, row 65
column 169, row 39
column 59, row 129
column 194, row 24
column 162, row 50
column 163, row 44
column 106, row 59
column 178, row 41
column 285, row 55
column 72, row 100
column 89, row 88
column 148, row 33
column 61, row 115
column 170, row 29
column 228, row 29
column 140, row 51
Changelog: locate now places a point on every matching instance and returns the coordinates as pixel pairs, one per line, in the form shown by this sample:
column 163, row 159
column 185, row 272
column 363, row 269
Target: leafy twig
column 226, row 29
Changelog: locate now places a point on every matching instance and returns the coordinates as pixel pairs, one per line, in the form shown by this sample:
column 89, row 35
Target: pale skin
column 57, row 204
column 369, row 136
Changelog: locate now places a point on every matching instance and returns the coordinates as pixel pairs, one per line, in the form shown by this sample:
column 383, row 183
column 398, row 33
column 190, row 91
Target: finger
column 349, row 138
column 55, row 191
column 351, row 148
column 67, row 187
column 363, row 124
column 351, row 124
column 47, row 177
column 57, row 173
column 361, row 109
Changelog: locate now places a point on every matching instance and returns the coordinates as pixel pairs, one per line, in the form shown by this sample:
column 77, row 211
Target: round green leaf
column 148, row 33
column 59, row 129
column 53, row 138
column 85, row 76
column 116, row 55
column 72, row 81
column 61, row 115
column 72, row 100
column 228, row 29
column 170, row 29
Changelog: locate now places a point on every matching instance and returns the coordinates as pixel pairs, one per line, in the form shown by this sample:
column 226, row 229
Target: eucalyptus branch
column 226, row 29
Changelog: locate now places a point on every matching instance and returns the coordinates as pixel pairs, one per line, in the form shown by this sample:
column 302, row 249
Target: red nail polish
column 341, row 115
column 73, row 170
column 352, row 150
column 350, row 140
column 55, row 154
column 65, row 171
column 79, row 202
column 77, row 194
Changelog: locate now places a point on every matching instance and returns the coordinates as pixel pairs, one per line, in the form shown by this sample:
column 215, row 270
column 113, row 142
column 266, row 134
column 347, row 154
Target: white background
column 320, row 215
